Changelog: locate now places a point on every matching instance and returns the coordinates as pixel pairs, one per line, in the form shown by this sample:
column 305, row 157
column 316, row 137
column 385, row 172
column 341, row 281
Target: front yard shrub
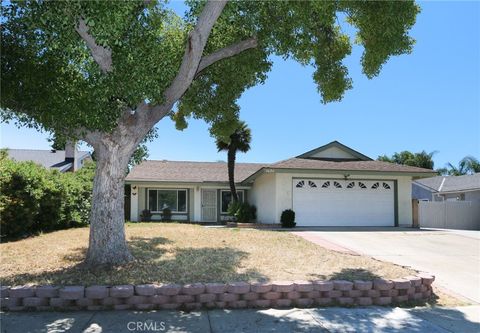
column 288, row 219
column 166, row 214
column 34, row 199
column 146, row 215
column 242, row 211
column 233, row 208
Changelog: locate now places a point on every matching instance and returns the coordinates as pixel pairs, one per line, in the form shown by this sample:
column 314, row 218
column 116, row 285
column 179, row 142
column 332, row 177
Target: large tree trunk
column 231, row 173
column 107, row 245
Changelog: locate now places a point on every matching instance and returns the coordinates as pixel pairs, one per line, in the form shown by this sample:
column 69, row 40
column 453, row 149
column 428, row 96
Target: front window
column 227, row 198
column 176, row 200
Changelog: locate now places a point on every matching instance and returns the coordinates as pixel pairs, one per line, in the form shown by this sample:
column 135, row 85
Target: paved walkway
column 453, row 256
column 327, row 320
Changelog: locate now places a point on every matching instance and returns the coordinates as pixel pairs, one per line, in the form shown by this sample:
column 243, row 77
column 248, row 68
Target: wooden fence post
column 415, row 223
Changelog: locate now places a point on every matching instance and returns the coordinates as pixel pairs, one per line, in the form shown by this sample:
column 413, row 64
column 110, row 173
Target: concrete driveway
column 452, row 256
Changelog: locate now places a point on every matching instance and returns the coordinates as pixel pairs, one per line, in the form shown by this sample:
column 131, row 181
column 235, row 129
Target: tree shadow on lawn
column 141, row 247
column 155, row 262
column 349, row 274
column 352, row 274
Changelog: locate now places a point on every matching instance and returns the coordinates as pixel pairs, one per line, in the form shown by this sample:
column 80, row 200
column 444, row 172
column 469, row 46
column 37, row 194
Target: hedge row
column 34, row 199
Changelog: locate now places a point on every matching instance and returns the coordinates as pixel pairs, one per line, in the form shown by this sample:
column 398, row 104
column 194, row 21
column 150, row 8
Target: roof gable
column 334, row 151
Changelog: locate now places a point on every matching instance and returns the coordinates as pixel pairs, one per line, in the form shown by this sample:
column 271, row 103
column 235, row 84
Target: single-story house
column 70, row 159
column 332, row 185
column 450, row 188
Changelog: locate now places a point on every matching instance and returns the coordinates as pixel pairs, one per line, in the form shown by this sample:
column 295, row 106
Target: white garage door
column 332, row 202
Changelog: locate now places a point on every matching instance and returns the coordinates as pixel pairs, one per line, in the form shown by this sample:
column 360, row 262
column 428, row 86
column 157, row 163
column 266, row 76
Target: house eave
column 64, row 168
column 458, row 191
column 421, row 174
column 181, row 183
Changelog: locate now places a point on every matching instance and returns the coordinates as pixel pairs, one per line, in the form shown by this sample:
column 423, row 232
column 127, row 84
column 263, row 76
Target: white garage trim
column 345, row 202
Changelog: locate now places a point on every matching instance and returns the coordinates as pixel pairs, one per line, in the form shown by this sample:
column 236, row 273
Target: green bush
column 242, row 211
column 34, row 199
column 288, row 219
column 146, row 215
column 166, row 214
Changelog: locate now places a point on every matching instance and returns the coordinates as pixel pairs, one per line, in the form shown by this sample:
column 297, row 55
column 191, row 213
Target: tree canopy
column 50, row 78
column 467, row 165
column 421, row 159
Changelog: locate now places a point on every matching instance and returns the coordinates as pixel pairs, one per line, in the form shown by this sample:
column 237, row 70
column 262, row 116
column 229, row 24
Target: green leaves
column 35, row 199
column 50, row 79
column 468, row 165
column 421, row 159
column 382, row 30
column 238, row 139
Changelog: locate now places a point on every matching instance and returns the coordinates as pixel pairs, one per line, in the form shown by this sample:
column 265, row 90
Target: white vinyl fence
column 449, row 214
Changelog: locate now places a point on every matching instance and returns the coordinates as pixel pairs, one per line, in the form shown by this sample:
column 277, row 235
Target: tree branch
column 101, row 55
column 196, row 41
column 84, row 134
column 226, row 52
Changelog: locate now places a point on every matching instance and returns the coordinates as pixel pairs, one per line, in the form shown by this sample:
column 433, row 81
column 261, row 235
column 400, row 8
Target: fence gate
column 449, row 214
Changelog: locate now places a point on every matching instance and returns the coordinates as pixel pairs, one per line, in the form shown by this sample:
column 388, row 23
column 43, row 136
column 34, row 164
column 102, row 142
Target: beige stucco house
column 332, row 185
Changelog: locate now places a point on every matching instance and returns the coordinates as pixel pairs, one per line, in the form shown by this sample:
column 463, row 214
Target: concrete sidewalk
column 333, row 320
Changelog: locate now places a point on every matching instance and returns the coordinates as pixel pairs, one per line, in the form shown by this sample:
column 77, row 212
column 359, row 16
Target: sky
column 428, row 100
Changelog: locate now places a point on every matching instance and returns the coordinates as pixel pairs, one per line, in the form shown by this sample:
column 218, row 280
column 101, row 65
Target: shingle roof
column 184, row 171
column 303, row 163
column 432, row 182
column 54, row 159
column 194, row 172
column 452, row 183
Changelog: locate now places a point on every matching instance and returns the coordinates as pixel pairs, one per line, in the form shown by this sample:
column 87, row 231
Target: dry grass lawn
column 186, row 253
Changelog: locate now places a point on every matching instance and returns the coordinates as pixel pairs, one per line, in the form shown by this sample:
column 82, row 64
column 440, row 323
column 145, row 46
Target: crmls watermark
column 146, row 326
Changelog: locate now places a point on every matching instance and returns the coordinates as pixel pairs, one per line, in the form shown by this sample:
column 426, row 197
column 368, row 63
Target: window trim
column 221, row 191
column 167, row 189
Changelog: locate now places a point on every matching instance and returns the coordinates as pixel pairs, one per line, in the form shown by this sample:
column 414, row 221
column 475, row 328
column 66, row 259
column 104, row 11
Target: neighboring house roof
column 190, row 172
column 53, row 159
column 317, row 159
column 443, row 184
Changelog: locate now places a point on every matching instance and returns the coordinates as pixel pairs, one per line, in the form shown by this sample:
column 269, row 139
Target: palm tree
column 468, row 165
column 452, row 170
column 471, row 163
column 239, row 140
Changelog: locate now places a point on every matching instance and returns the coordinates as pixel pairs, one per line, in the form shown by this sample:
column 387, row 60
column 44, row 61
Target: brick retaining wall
column 218, row 295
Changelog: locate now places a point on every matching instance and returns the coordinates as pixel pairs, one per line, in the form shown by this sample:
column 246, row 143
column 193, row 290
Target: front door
column 209, row 205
